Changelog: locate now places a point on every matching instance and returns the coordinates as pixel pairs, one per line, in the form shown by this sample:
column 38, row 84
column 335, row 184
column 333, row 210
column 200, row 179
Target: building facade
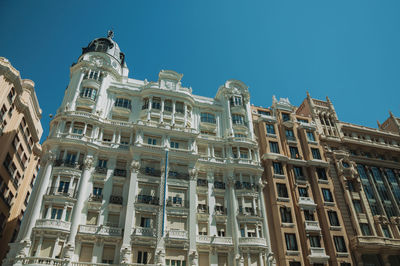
column 365, row 170
column 20, row 132
column 137, row 172
column 304, row 217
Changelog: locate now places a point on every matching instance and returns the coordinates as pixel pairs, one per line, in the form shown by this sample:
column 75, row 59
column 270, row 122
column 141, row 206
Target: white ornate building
column 104, row 195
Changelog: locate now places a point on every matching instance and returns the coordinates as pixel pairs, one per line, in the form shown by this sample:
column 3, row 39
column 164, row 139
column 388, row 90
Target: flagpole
column 165, row 190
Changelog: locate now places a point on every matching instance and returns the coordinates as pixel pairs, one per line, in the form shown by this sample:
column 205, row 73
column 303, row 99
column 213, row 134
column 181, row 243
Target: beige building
column 20, row 131
column 306, row 226
column 364, row 167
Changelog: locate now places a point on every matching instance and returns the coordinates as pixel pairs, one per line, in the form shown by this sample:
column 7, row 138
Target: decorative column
column 185, row 115
column 162, row 110
column 161, row 220
column 23, row 243
column 229, row 130
column 173, row 112
column 126, row 249
column 233, row 211
column 261, row 203
column 193, row 256
column 150, row 106
column 77, row 210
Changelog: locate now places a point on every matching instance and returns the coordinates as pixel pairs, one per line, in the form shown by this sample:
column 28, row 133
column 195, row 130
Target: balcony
column 50, row 224
column 67, row 163
column 252, row 241
column 220, row 210
column 95, row 198
column 37, row 261
column 150, row 171
column 317, row 255
column 202, row 208
column 145, row 232
column 178, row 202
column 249, row 211
column 146, row 199
column 101, row 170
column 116, row 200
column 202, row 183
column 312, row 226
column 219, row 185
column 100, row 230
column 177, row 234
column 214, row 240
column 307, row 203
column 60, row 191
column 178, row 175
column 120, row 172
column 246, row 185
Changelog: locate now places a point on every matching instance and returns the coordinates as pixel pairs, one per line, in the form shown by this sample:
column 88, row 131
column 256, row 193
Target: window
column 298, row 172
column 303, row 192
column 385, row 231
column 145, row 222
column 273, row 146
column 294, row 263
column 145, row 104
column 339, row 244
column 315, row 241
column 270, row 128
column 286, row 216
column 294, row 153
column 142, row 257
column 207, row 118
column 108, row 254
column 261, row 112
column 285, row 117
column 179, row 107
column 11, row 95
column 88, row 93
column 63, row 187
column 174, row 145
column 310, row 136
column 102, row 163
column 333, row 218
column 327, row 195
column 167, row 106
column 321, row 174
column 170, row 262
column 237, row 119
column 152, row 141
column 277, row 168
column 357, row 206
column 316, row 154
column 309, row 215
column 124, row 103
column 156, row 103
column 282, row 190
column 236, row 101
column 366, row 231
column 56, row 213
column 291, row 243
column 97, row 191
column 289, row 134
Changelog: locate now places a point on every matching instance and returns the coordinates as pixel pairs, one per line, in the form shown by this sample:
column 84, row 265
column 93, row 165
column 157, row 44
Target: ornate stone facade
column 114, row 196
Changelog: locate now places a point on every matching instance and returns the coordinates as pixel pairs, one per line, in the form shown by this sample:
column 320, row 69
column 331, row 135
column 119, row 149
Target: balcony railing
column 177, row 234
column 145, row 231
column 249, row 211
column 95, row 198
column 312, row 226
column 220, row 210
column 219, row 185
column 146, row 199
column 116, row 199
column 38, row 261
column 52, row 224
column 100, row 230
column 202, row 208
column 246, row 185
column 150, row 171
column 177, row 203
column 101, row 170
column 202, row 182
column 120, row 172
column 60, row 191
column 178, row 175
column 252, row 241
column 67, row 163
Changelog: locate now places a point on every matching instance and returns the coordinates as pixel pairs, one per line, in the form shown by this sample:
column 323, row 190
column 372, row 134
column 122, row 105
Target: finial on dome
column 110, row 34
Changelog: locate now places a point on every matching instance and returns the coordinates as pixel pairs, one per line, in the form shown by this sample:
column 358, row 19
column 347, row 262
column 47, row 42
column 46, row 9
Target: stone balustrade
column 53, row 224
column 252, row 241
column 179, row 234
column 100, row 230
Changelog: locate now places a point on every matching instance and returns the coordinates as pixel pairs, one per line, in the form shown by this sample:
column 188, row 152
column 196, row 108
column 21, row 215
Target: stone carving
column 48, row 157
column 88, row 163
column 135, row 166
column 193, row 173
column 125, row 254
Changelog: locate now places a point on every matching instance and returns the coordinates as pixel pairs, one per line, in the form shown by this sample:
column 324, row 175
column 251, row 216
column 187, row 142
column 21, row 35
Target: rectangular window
column 298, row 172
column 277, row 168
column 366, row 231
column 282, row 190
column 291, row 243
column 357, row 206
column 97, row 191
column 124, row 103
column 385, row 231
column 270, row 128
column 145, row 222
column 63, row 187
column 289, row 134
column 237, row 119
column 261, row 112
column 309, row 215
column 294, row 152
column 315, row 241
column 156, row 103
column 285, row 117
column 316, row 154
column 333, row 218
column 207, row 118
column 286, row 216
column 310, row 136
column 108, row 254
column 142, row 257
column 303, row 192
column 321, row 172
column 152, row 141
column 327, row 195
column 273, row 146
column 174, row 145
column 102, row 163
column 56, row 213
column 236, row 101
column 340, row 244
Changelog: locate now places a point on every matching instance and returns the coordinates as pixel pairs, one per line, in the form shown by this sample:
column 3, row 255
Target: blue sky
column 347, row 50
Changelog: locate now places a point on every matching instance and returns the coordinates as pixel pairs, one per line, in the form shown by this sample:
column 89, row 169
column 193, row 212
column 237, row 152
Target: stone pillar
column 150, row 106
column 261, row 203
column 173, row 112
column 193, row 256
column 126, row 249
column 162, row 110
column 34, row 206
column 211, row 203
column 97, row 251
column 233, row 211
column 185, row 115
column 229, row 125
column 161, row 221
column 213, row 257
column 77, row 210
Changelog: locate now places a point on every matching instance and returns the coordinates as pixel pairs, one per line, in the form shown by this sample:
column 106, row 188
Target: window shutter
column 47, row 248
column 86, row 253
column 108, row 253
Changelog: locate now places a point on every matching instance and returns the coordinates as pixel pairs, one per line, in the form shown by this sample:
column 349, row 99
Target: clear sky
column 347, row 50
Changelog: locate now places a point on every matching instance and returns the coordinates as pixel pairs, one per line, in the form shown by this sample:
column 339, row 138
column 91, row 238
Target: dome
column 106, row 45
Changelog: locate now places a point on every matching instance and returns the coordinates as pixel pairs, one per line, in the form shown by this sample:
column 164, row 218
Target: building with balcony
column 305, row 221
column 142, row 172
column 20, row 132
column 365, row 172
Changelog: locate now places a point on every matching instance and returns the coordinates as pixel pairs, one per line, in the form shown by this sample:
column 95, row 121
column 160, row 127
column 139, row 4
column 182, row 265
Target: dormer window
column 236, row 100
column 124, row 103
column 207, row 118
column 88, row 93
